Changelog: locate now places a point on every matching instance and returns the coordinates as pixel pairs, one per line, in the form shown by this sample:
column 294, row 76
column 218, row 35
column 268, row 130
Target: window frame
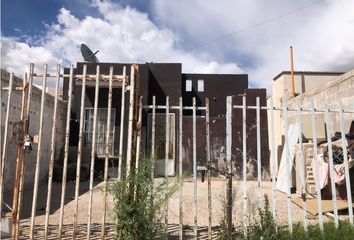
column 188, row 85
column 88, row 130
column 200, row 86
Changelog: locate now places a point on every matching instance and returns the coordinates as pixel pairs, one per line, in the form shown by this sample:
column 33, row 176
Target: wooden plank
column 327, row 205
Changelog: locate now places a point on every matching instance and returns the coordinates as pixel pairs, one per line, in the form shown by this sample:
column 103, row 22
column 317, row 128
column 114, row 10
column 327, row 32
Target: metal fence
column 133, row 156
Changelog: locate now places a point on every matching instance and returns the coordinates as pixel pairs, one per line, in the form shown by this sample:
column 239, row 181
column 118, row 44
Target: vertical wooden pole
column 195, row 216
column 273, row 160
column 292, row 73
column 331, row 167
column 302, row 167
column 229, row 108
column 130, row 118
column 79, row 151
column 93, row 150
column 259, row 160
column 346, row 166
column 25, row 119
column 317, row 170
column 52, row 153
column 167, row 152
column 153, row 147
column 288, row 164
column 180, row 167
column 121, row 132
column 66, row 152
column 153, row 126
column 244, row 165
column 138, row 139
column 39, row 153
column 107, row 152
column 23, row 110
column 207, row 141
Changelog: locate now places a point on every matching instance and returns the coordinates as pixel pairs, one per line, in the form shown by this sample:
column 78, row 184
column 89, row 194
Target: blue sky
column 204, row 35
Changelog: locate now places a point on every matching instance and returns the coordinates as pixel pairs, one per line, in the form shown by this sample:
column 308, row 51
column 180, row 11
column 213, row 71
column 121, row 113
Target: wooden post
column 138, row 140
column 331, row 167
column 23, row 110
column 79, row 151
column 153, row 147
column 167, row 148
column 106, row 159
column 229, row 108
column 93, row 150
column 180, row 167
column 130, row 118
column 302, row 167
column 274, row 170
column 121, row 132
column 52, row 154
column 66, row 153
column 244, row 166
column 287, row 164
column 207, row 141
column 317, row 170
column 292, row 73
column 195, row 199
column 39, row 153
column 346, row 166
column 259, row 160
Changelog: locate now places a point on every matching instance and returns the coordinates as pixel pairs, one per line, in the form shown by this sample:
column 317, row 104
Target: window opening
column 101, row 130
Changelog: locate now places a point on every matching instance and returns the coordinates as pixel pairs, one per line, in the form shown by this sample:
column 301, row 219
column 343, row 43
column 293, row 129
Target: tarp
column 283, row 177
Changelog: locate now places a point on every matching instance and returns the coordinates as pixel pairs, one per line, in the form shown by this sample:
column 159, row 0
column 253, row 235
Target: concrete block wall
column 329, row 95
column 15, row 110
column 322, row 86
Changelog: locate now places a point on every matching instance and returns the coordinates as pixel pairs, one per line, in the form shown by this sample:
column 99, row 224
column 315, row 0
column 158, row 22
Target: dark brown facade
column 167, row 79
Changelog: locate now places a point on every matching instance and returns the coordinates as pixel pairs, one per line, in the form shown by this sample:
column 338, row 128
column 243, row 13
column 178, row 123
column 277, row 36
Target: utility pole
column 292, row 73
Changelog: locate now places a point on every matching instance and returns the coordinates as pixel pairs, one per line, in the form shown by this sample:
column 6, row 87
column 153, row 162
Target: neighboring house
column 167, row 79
column 326, row 89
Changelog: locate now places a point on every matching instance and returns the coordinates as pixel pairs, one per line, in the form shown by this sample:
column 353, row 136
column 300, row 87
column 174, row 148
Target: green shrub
column 136, row 215
column 344, row 232
column 266, row 226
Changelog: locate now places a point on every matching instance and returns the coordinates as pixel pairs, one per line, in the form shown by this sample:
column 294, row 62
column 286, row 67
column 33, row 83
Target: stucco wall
column 15, row 110
column 320, row 85
column 329, row 95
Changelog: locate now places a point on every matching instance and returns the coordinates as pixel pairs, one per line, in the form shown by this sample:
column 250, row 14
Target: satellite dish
column 88, row 55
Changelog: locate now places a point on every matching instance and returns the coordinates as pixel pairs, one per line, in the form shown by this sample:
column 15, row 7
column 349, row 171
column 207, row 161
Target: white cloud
column 16, row 56
column 322, row 34
column 120, row 35
column 322, row 37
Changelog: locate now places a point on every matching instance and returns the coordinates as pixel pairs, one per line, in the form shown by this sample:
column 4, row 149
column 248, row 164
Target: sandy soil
column 218, row 193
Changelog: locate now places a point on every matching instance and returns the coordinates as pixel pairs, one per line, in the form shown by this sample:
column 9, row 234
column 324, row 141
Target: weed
column 136, row 215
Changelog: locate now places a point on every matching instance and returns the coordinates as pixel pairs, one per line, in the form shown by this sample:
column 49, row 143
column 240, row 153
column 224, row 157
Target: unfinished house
column 167, row 80
column 316, row 131
column 196, row 126
column 305, row 81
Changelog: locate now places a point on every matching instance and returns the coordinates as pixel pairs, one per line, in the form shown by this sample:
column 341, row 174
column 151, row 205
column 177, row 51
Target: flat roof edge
column 308, row 72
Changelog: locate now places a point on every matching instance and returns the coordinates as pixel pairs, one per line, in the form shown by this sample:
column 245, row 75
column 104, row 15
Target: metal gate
column 27, row 142
column 183, row 216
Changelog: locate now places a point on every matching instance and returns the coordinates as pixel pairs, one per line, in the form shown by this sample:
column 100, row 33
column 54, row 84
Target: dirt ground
column 218, row 193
